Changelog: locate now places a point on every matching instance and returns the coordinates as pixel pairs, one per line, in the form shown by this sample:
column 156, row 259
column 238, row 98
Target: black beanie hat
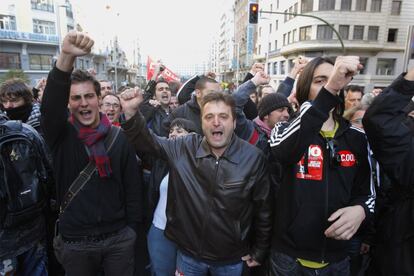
column 271, row 102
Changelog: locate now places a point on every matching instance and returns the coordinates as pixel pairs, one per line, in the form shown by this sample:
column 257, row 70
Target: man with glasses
column 111, row 107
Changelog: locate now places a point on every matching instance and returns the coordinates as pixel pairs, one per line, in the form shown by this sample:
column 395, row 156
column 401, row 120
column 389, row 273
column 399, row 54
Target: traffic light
column 253, row 13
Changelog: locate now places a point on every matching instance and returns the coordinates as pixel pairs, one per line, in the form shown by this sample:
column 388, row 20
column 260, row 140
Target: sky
column 178, row 32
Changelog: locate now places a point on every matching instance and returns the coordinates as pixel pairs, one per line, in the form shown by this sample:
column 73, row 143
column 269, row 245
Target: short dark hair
column 16, row 88
column 201, row 83
column 220, row 97
column 355, row 88
column 79, row 76
column 188, row 125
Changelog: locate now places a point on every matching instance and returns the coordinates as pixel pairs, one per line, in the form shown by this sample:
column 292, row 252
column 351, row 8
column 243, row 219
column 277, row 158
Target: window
column 7, row 22
column 396, row 8
column 268, row 68
column 269, row 47
column 305, row 33
column 271, row 7
column 69, row 12
column 260, row 31
column 275, row 45
column 43, row 27
column 326, row 5
column 290, row 13
column 289, row 38
column 376, row 5
column 392, row 35
column 358, row 33
column 306, row 6
column 385, row 66
column 282, row 67
column 70, row 27
column 80, row 64
column 284, row 39
column 295, row 8
column 259, row 49
column 294, row 35
column 346, row 5
column 364, row 62
column 277, row 4
column 270, row 28
column 275, row 68
column 87, row 64
column 286, row 15
column 277, row 25
column 10, row 61
column 43, row 5
column 40, row 62
column 361, row 5
column 373, row 32
column 344, row 31
column 324, row 32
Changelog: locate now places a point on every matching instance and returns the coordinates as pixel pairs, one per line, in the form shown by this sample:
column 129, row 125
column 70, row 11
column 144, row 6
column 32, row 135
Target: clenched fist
column 130, row 100
column 77, row 44
column 344, row 69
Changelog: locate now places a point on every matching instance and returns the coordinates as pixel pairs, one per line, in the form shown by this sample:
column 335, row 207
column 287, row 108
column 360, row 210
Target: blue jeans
column 284, row 265
column 188, row 266
column 162, row 251
column 31, row 263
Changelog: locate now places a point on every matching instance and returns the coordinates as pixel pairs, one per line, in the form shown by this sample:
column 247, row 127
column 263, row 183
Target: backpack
column 23, row 181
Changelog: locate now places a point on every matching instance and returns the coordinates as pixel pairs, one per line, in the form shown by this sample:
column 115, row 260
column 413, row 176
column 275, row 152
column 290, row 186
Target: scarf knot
column 93, row 139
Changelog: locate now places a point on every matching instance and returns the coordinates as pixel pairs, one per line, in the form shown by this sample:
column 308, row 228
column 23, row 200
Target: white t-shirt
column 160, row 218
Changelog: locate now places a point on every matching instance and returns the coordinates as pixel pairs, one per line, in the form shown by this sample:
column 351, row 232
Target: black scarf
column 21, row 113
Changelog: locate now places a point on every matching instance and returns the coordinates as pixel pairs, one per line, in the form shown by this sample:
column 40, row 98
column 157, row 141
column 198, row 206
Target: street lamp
column 115, row 53
column 58, row 6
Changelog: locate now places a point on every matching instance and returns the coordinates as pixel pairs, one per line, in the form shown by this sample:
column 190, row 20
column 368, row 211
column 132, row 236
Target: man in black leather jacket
column 218, row 209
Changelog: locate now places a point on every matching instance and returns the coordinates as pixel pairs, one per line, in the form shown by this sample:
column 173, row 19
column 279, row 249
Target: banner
column 167, row 74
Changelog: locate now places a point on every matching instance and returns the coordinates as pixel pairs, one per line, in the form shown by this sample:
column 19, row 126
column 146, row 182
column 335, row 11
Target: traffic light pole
column 312, row 16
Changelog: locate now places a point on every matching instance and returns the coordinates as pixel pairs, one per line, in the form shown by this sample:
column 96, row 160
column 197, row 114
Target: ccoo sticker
column 347, row 158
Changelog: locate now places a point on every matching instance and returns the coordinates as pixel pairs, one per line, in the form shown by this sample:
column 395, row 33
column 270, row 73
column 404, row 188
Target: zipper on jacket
column 326, row 164
column 207, row 217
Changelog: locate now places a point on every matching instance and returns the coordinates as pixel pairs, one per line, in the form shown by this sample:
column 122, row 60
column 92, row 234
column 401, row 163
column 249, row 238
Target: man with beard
column 219, row 208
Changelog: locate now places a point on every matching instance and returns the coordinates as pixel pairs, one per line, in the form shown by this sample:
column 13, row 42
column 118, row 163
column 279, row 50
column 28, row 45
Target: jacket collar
column 231, row 152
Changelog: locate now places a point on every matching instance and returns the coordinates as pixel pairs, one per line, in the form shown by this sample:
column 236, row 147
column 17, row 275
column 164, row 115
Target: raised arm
column 56, row 95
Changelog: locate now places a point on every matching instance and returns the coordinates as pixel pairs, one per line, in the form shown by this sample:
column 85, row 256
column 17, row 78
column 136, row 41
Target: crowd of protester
column 312, row 178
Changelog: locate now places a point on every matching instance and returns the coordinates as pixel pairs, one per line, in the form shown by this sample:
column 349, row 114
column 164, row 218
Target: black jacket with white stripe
column 319, row 177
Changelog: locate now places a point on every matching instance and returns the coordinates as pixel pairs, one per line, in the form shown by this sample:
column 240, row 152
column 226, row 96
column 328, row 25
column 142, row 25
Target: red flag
column 167, row 74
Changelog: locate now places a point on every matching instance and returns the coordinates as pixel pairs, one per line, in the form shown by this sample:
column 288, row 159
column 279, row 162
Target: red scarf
column 93, row 139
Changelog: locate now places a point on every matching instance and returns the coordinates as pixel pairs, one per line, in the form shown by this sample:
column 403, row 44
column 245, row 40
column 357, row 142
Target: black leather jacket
column 218, row 210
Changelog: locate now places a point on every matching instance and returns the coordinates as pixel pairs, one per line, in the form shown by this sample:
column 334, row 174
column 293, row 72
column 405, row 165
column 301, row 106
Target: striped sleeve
column 283, row 130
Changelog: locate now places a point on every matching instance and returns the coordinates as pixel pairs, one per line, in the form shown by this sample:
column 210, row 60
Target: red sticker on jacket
column 314, row 166
column 347, row 158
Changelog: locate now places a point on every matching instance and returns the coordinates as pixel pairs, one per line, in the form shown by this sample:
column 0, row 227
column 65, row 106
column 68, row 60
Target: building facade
column 30, row 32
column 379, row 31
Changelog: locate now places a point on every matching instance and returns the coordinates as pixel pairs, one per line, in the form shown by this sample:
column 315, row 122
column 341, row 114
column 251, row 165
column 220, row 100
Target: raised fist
column 130, row 100
column 77, row 44
column 344, row 69
column 257, row 67
column 260, row 78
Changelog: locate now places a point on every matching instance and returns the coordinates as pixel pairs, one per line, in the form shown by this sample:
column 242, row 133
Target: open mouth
column 86, row 114
column 217, row 134
column 110, row 115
